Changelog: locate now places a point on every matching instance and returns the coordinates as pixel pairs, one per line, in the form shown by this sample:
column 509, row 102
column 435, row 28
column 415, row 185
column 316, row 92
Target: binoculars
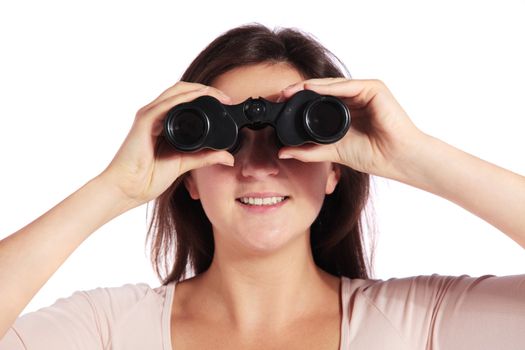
column 207, row 123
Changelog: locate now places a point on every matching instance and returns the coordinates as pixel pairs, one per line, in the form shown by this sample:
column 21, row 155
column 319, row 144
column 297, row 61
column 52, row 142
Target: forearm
column 494, row 194
column 29, row 257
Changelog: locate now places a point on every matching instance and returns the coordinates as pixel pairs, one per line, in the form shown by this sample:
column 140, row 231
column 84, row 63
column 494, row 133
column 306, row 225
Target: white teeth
column 262, row 201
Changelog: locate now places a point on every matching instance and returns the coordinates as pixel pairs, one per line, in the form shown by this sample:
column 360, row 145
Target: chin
column 268, row 241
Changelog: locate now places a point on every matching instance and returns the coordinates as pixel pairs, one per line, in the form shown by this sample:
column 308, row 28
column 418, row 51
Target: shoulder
column 105, row 303
column 434, row 286
column 436, row 307
column 97, row 318
column 124, row 296
column 398, row 295
column 376, row 288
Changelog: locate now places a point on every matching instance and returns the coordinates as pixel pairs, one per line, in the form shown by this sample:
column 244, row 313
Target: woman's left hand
column 383, row 141
column 380, row 134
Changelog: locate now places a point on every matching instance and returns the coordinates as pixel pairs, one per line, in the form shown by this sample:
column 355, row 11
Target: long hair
column 181, row 234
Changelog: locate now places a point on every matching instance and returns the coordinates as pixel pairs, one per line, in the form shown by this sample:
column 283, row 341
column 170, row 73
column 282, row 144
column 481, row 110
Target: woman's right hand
column 139, row 170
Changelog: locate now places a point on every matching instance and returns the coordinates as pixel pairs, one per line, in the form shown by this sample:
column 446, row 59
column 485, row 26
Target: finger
column 182, row 87
column 177, row 88
column 325, row 81
column 209, row 90
column 157, row 113
column 358, row 93
column 292, row 89
column 203, row 158
column 309, row 153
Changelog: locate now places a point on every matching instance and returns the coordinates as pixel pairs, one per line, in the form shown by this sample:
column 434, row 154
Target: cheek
column 214, row 187
column 311, row 179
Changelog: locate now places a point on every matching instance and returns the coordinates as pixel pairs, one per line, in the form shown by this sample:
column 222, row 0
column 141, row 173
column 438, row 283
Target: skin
column 260, row 257
column 256, row 283
column 258, row 169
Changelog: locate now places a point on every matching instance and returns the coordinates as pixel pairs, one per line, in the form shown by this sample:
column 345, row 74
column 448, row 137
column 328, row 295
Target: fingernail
column 226, row 98
column 289, row 87
column 285, row 156
column 310, row 85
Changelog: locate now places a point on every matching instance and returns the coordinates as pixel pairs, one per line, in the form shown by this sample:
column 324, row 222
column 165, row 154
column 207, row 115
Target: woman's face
column 262, row 203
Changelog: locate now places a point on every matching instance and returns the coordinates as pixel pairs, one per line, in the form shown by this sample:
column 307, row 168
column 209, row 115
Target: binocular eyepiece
column 207, row 123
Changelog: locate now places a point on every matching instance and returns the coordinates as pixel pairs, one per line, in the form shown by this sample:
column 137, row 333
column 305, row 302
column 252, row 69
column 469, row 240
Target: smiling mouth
column 258, row 201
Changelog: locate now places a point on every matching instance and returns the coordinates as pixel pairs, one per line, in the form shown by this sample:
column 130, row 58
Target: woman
column 292, row 274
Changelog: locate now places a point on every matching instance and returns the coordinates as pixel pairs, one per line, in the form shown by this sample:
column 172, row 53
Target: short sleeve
column 444, row 312
column 11, row 341
column 481, row 313
column 70, row 323
column 83, row 321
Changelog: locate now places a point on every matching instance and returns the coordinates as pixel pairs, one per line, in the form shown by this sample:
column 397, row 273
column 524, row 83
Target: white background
column 72, row 76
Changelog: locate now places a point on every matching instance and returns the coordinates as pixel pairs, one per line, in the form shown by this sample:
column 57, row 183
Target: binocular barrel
column 306, row 117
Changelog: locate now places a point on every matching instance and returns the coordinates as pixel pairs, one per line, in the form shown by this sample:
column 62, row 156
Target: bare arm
column 494, row 194
column 29, row 257
column 137, row 174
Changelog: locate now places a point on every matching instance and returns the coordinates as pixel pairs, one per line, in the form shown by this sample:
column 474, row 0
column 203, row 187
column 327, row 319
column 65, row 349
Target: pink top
column 424, row 312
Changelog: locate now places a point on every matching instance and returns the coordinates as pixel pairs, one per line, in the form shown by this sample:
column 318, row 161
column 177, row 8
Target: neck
column 262, row 290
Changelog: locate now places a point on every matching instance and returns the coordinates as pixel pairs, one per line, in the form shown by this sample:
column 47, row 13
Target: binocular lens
column 188, row 127
column 325, row 120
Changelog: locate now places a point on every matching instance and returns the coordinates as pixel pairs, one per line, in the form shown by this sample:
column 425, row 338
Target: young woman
column 271, row 234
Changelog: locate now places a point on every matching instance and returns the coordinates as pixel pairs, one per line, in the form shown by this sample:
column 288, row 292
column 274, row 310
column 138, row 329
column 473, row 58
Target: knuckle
column 142, row 111
column 185, row 85
column 180, row 83
column 314, row 81
column 378, row 83
column 214, row 92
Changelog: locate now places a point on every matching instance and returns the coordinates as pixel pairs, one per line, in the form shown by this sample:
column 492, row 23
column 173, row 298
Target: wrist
column 417, row 160
column 108, row 190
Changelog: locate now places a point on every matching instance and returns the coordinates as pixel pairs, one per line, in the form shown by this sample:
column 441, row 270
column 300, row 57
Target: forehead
column 258, row 80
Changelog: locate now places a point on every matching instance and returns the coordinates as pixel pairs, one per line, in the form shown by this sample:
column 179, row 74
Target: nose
column 258, row 154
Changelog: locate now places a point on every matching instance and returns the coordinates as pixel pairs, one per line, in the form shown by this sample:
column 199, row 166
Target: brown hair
column 180, row 232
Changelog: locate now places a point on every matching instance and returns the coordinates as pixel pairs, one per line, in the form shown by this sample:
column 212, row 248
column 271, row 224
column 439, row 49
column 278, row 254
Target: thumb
column 308, row 153
column 190, row 161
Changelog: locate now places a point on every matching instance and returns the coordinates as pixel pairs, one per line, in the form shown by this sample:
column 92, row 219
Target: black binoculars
column 207, row 123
